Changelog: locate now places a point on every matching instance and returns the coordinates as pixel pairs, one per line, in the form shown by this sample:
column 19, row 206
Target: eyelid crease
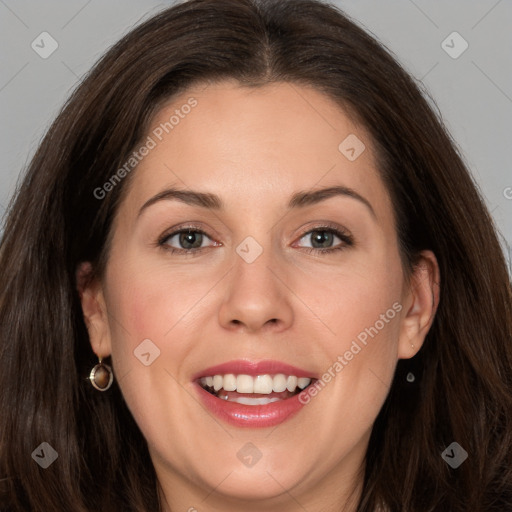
column 343, row 234
column 186, row 229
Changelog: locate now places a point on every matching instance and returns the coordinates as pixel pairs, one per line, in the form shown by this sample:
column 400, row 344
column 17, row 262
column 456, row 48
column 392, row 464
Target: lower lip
column 251, row 416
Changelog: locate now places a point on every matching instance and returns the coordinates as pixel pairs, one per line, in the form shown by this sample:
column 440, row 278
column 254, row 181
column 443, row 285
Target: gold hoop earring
column 101, row 376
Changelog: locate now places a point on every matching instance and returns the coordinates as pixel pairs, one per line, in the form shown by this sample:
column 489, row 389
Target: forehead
column 256, row 144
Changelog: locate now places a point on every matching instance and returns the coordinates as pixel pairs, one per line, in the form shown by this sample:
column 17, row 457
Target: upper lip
column 247, row 367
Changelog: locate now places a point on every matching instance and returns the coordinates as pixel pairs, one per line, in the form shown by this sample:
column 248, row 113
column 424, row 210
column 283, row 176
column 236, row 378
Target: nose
column 257, row 299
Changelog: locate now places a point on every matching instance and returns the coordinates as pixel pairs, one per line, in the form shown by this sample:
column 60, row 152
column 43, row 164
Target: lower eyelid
column 345, row 240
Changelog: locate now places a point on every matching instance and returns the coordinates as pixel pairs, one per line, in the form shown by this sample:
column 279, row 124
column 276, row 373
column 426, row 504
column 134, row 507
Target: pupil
column 194, row 239
column 322, row 238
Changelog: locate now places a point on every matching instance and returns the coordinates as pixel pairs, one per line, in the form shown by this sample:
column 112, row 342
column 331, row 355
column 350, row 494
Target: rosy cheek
column 139, row 316
column 127, row 304
column 151, row 306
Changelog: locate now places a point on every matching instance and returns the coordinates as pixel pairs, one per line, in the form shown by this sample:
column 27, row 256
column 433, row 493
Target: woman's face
column 271, row 269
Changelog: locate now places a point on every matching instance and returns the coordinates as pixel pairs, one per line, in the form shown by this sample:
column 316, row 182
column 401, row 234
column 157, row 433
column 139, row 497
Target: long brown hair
column 463, row 374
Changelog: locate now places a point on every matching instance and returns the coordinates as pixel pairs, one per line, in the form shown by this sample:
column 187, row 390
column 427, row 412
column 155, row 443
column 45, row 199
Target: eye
column 326, row 239
column 321, row 240
column 186, row 240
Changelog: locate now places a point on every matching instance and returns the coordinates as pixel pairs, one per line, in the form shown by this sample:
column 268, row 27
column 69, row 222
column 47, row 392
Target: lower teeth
column 250, row 401
column 245, row 400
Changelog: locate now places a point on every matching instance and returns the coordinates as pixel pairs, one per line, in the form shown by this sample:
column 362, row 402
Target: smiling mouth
column 254, row 390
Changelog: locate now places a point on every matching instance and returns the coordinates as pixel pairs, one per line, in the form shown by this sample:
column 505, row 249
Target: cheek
column 360, row 309
column 355, row 302
column 138, row 311
column 159, row 304
column 151, row 301
column 147, row 315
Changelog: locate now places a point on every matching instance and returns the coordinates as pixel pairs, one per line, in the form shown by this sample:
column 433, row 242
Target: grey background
column 473, row 91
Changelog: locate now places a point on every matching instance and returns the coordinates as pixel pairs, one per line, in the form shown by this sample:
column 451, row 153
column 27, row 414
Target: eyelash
column 345, row 237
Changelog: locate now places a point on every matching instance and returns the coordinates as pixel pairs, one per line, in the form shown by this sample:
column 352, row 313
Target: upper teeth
column 263, row 384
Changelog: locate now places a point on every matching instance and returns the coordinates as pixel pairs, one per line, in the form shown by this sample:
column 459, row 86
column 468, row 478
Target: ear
column 94, row 310
column 421, row 298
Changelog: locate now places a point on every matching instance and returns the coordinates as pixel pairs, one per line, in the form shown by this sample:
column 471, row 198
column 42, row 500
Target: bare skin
column 296, row 303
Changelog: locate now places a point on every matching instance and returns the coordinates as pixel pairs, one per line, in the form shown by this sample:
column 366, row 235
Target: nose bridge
column 255, row 297
column 252, row 272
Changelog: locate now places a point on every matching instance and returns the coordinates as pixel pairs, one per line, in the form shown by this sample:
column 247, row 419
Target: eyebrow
column 190, row 197
column 307, row 198
column 214, row 202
